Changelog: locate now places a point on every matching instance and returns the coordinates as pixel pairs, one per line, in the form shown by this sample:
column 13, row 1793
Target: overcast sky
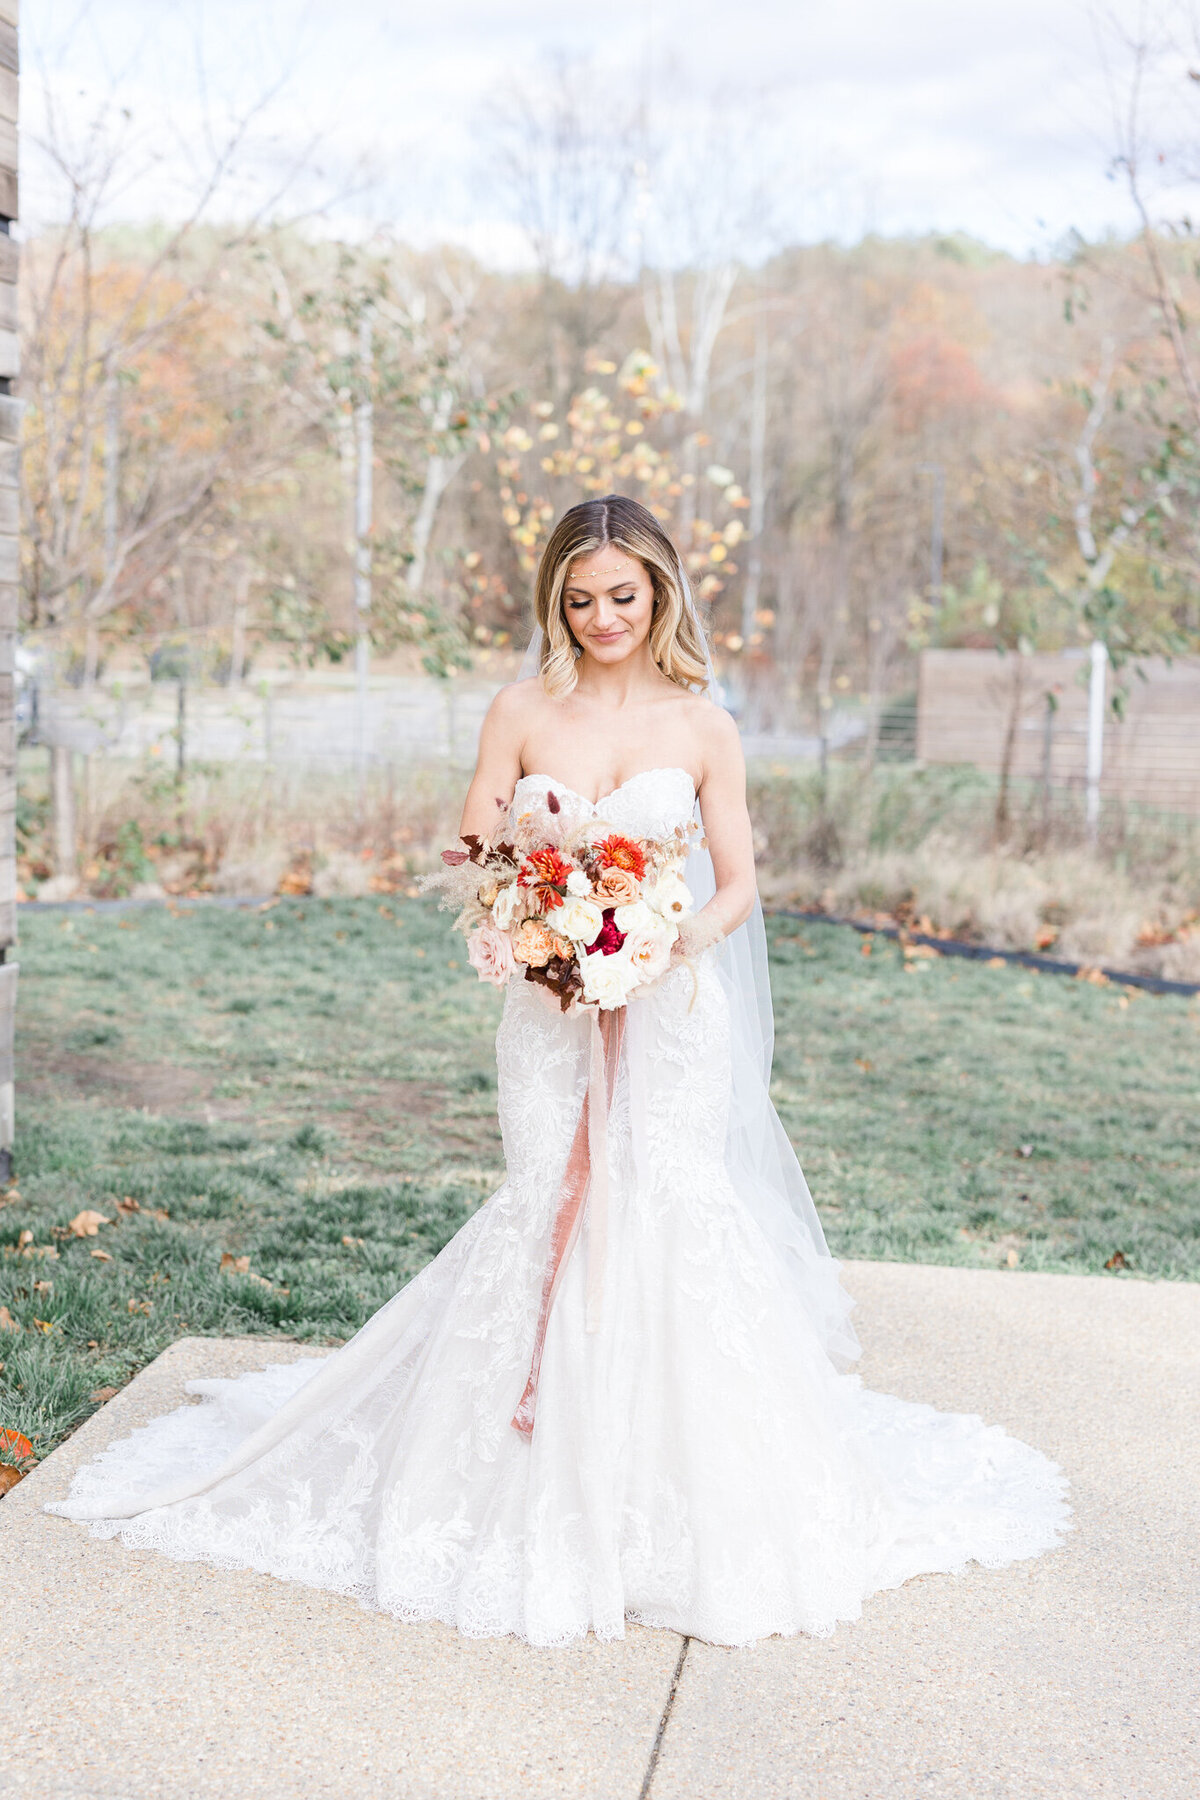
column 986, row 116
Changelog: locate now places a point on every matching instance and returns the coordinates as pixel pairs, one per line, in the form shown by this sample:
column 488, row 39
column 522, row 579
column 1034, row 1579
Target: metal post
column 364, row 437
column 1095, row 735
column 62, row 804
column 181, row 731
column 936, row 529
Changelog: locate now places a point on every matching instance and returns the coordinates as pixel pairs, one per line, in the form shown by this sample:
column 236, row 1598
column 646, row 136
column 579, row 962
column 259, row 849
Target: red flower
column 545, row 871
column 610, row 939
column 618, row 852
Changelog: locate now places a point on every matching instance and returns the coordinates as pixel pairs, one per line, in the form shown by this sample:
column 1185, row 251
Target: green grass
column 273, row 1084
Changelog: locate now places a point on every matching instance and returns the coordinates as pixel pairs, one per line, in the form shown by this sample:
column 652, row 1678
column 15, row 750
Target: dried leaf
column 864, row 1063
column 7, row 1322
column 234, row 1265
column 88, row 1223
column 100, row 1395
column 453, row 858
column 9, row 1477
column 45, row 1326
column 140, row 1306
column 128, row 1205
column 101, row 1256
column 352, row 1243
column 1012, row 1259
column 15, row 1444
column 26, row 1237
column 43, row 1287
column 1118, row 1260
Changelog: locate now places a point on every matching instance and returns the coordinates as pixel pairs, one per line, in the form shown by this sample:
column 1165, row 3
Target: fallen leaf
column 7, row 1322
column 234, row 1265
column 138, row 1306
column 352, row 1243
column 995, row 962
column 100, row 1395
column 128, row 1205
column 1097, row 977
column 865, row 946
column 45, row 1326
column 26, row 1237
column 1012, row 1259
column 101, row 1256
column 1118, row 1260
column 160, row 1212
column 15, row 1443
column 864, row 1063
column 88, row 1223
column 9, row 1477
column 43, row 1287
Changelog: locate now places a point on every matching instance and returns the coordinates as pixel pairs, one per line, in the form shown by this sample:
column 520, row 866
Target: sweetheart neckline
column 565, row 786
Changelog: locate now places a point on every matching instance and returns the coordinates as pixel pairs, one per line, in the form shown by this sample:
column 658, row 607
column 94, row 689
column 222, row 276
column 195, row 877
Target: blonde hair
column 676, row 636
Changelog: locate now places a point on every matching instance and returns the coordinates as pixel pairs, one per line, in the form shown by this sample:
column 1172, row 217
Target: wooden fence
column 972, row 703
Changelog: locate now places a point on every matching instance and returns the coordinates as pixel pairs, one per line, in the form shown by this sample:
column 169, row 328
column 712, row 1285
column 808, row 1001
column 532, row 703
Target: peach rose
column 533, row 944
column 490, row 953
column 618, row 887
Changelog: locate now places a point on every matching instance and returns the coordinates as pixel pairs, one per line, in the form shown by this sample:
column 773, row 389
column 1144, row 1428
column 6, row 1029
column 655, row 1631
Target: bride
column 699, row 1458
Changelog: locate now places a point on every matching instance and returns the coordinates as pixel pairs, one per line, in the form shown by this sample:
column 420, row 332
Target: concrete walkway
column 1076, row 1677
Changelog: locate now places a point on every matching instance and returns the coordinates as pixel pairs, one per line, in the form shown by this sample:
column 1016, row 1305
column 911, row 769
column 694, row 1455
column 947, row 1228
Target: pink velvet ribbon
column 584, row 1183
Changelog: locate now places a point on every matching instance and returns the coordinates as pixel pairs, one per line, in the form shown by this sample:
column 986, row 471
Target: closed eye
column 618, row 600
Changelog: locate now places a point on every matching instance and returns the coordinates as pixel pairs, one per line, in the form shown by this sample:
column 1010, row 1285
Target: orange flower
column 545, row 871
column 618, row 852
column 533, row 943
column 618, row 886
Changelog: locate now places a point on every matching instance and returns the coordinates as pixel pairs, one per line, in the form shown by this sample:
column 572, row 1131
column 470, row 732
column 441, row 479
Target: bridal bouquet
column 588, row 912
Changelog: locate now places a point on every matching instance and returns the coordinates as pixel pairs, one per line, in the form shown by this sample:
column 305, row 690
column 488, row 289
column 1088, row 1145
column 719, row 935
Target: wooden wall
column 10, row 411
column 967, row 699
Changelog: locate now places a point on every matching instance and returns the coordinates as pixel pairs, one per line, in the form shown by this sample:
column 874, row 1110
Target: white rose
column 579, row 919
column 671, row 897
column 649, row 952
column 636, row 917
column 507, row 906
column 578, row 884
column 607, row 980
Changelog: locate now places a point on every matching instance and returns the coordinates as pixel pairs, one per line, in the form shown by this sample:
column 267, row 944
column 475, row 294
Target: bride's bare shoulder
column 714, row 734
column 517, row 705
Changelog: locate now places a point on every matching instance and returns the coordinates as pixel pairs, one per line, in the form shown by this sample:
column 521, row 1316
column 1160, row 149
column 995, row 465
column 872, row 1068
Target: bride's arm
column 727, row 829
column 497, row 767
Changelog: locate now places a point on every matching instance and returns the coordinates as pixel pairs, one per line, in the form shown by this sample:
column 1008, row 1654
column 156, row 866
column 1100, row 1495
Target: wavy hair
column 676, row 635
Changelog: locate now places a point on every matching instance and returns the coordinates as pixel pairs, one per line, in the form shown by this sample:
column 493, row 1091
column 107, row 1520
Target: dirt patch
column 158, row 1087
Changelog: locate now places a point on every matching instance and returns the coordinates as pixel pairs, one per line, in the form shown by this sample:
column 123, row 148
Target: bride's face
column 608, row 601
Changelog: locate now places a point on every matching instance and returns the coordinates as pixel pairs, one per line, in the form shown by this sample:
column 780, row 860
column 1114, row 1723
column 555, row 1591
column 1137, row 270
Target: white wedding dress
column 701, row 1461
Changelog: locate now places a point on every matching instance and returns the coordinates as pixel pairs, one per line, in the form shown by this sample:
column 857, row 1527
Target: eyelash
column 618, row 600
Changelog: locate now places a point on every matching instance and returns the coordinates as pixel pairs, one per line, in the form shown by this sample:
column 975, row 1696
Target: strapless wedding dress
column 699, row 1461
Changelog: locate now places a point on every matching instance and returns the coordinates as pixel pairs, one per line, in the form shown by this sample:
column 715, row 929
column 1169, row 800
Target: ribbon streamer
column 585, row 1181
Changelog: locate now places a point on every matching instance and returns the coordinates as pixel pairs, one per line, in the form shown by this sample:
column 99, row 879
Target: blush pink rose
column 490, row 952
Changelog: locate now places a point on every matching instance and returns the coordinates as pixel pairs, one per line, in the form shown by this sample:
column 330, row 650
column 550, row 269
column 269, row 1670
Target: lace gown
column 698, row 1461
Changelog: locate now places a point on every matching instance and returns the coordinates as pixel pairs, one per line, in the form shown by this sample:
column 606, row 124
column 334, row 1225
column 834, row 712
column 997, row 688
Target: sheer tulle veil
column 762, row 1163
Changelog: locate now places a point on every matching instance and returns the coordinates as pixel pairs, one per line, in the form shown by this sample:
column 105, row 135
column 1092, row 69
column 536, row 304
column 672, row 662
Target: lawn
column 308, row 1091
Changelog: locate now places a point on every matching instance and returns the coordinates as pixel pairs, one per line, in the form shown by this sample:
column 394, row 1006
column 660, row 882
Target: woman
column 697, row 1459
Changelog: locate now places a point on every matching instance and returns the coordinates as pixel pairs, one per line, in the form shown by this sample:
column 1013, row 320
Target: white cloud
column 989, row 116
